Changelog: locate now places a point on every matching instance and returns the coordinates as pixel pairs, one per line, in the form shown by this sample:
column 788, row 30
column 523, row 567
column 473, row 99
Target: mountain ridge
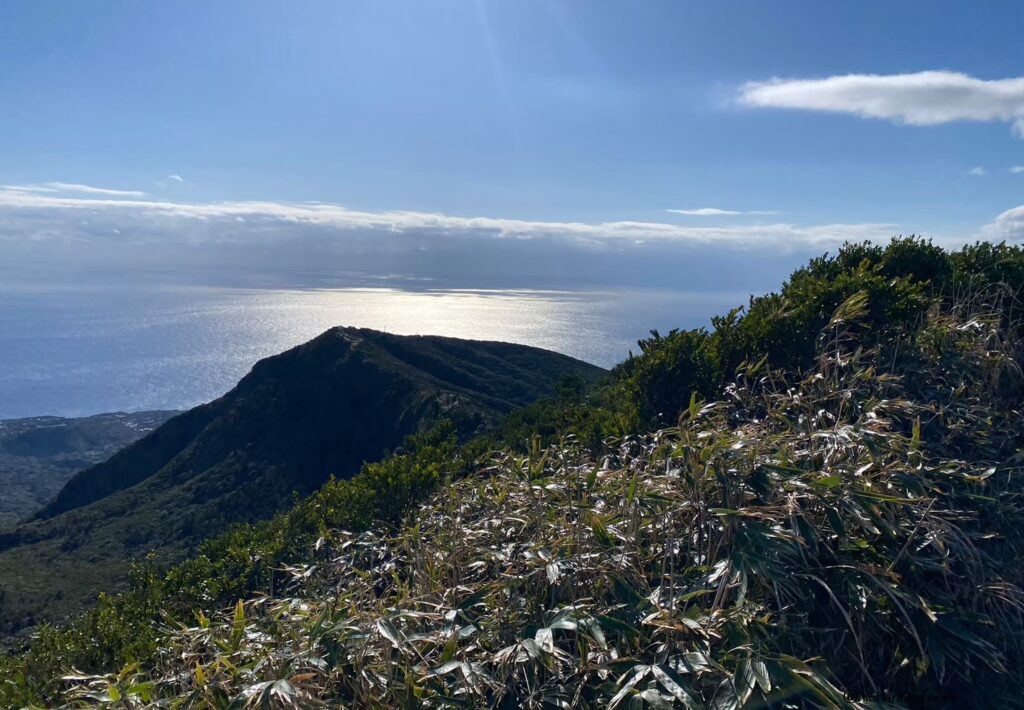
column 813, row 503
column 318, row 410
column 82, row 489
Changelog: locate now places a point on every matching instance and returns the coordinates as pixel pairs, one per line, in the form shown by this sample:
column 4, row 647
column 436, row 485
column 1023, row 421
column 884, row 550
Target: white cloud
column 176, row 178
column 977, row 171
column 1008, row 226
column 267, row 218
column 72, row 187
column 1017, row 169
column 28, row 189
column 923, row 99
column 308, row 244
column 715, row 212
column 88, row 189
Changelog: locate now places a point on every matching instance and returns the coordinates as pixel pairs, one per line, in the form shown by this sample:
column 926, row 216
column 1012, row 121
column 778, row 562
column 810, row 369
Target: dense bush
column 803, row 541
column 885, row 483
column 128, row 628
column 900, row 282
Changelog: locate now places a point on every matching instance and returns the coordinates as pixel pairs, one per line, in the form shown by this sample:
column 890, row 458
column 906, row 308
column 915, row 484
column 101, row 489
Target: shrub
column 806, row 541
column 843, row 522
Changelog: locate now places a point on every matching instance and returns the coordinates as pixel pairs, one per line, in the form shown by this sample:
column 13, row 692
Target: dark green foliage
column 843, row 524
column 127, row 628
column 819, row 540
column 984, row 266
column 669, row 370
column 319, row 410
column 324, row 407
column 900, row 282
column 247, row 557
column 592, row 414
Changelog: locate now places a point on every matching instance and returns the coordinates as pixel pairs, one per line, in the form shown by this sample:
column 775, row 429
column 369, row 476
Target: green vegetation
column 318, row 410
column 826, row 512
column 128, row 627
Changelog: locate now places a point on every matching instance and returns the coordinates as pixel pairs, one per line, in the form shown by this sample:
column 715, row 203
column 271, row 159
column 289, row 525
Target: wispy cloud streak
column 58, row 187
column 926, row 98
column 716, row 212
column 262, row 217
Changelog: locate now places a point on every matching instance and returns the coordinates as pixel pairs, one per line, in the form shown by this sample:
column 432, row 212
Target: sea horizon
column 78, row 349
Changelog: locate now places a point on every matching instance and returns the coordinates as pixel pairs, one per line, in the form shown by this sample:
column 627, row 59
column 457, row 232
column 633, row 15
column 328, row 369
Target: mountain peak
column 318, row 410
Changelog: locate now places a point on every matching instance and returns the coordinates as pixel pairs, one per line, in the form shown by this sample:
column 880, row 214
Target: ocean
column 74, row 351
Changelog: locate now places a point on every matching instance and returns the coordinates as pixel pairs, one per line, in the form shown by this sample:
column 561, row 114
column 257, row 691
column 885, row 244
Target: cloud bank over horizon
column 80, row 226
column 218, row 240
column 23, row 200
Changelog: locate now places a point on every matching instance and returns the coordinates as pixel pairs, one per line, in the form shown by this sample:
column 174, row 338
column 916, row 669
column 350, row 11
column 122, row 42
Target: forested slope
column 815, row 503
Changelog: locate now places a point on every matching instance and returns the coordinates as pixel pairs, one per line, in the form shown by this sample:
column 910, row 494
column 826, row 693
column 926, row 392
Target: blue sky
column 534, row 114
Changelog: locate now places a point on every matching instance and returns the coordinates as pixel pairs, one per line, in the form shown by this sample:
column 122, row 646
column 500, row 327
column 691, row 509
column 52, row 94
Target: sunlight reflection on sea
column 74, row 352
